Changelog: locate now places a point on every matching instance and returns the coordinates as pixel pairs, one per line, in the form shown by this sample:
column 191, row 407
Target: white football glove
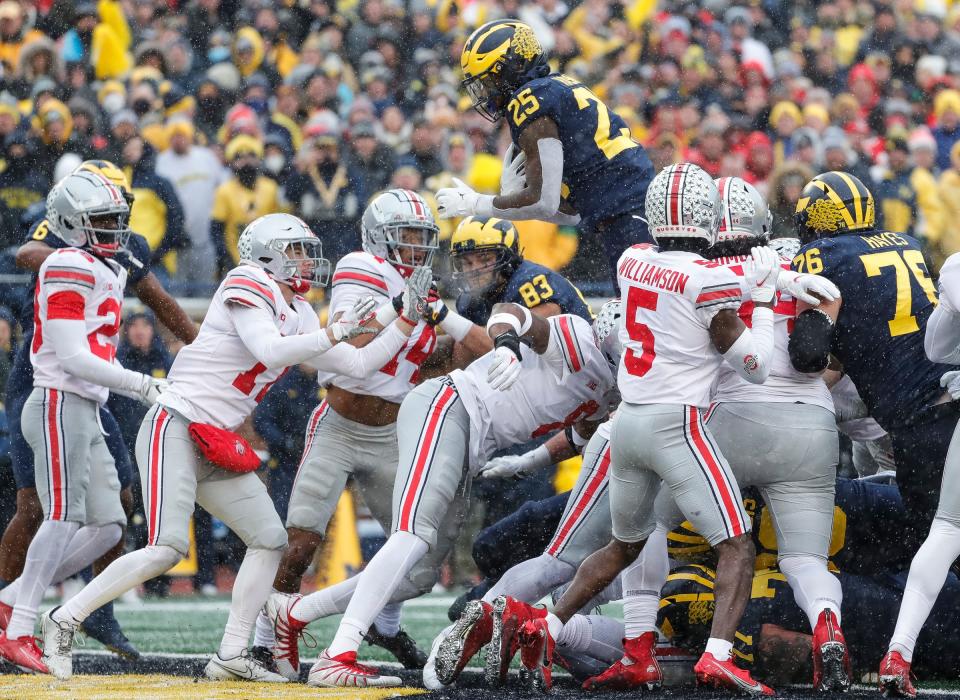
column 811, row 289
column 353, row 321
column 504, row 370
column 415, row 293
column 515, row 466
column 150, row 389
column 513, row 176
column 951, row 382
column 454, row 202
column 762, row 272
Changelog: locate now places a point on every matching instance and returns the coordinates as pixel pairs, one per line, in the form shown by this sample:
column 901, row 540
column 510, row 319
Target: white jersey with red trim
column 784, row 384
column 216, row 379
column 670, row 299
column 548, row 396
column 73, row 284
column 361, row 274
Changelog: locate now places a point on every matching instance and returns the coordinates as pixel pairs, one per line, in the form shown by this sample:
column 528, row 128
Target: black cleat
column 103, row 627
column 401, row 645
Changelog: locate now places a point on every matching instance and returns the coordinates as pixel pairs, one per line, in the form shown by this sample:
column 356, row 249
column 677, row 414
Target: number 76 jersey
column 878, row 337
column 669, row 301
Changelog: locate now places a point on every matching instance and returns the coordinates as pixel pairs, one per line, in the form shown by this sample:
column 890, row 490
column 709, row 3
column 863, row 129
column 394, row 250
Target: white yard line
column 200, row 605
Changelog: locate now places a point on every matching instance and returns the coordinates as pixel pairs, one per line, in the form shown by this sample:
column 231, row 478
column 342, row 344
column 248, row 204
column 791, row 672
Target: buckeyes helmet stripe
column 675, row 195
column 723, row 185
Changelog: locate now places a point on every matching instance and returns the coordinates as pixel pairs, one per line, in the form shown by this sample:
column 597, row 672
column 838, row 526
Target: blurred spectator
column 156, row 214
column 946, row 113
column 950, row 196
column 37, row 59
column 14, row 34
column 372, row 161
column 893, row 192
column 7, row 324
column 326, row 191
column 22, row 184
column 709, row 149
column 423, row 149
column 786, row 183
column 243, row 197
column 281, row 420
column 930, row 225
column 195, row 172
column 100, row 37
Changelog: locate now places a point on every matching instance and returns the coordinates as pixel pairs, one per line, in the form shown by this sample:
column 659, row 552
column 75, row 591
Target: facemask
column 258, row 106
column 274, row 163
column 218, row 54
column 114, row 102
column 247, row 175
column 141, row 107
column 210, row 108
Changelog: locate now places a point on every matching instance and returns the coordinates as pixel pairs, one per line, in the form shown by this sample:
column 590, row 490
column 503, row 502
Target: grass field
column 177, row 636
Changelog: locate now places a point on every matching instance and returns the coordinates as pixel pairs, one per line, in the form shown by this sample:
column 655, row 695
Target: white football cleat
column 240, row 668
column 430, row 680
column 57, row 645
column 287, row 631
column 343, row 671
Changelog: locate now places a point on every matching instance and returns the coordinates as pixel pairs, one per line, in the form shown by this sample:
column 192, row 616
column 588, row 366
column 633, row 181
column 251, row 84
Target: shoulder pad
column 251, row 286
column 362, row 269
column 71, row 267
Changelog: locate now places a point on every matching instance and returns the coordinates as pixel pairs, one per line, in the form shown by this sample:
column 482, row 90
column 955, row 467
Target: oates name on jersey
column 653, row 275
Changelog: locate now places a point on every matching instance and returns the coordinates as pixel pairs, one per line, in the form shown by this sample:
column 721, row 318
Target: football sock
column 596, row 636
column 43, row 557
column 250, row 592
column 642, row 582
column 331, row 600
column 388, row 621
column 814, row 588
column 719, row 648
column 88, row 544
column 532, row 579
column 263, row 634
column 376, row 586
column 123, row 574
column 928, row 571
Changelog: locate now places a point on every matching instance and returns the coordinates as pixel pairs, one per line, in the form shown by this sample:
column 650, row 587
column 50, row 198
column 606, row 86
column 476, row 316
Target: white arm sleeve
column 942, row 338
column 262, row 338
column 548, row 206
column 360, row 363
column 751, row 355
column 69, row 340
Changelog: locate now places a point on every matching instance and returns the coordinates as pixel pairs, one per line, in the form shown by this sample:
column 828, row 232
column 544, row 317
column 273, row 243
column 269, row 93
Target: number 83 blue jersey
column 605, row 172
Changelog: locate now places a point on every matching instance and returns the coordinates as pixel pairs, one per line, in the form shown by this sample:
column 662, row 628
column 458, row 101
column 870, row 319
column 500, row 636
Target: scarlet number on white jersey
column 637, row 298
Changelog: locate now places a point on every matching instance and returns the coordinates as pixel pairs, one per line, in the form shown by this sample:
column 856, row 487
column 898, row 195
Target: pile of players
column 708, row 374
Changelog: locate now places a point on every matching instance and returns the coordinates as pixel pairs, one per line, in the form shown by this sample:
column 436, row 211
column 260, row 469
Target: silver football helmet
column 683, row 202
column 86, row 210
column 398, row 219
column 287, row 249
column 786, row 247
column 606, row 330
column 745, row 211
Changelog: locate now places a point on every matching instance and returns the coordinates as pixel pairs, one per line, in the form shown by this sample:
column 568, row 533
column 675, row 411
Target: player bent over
column 353, row 432
column 446, row 428
column 256, row 327
column 79, row 296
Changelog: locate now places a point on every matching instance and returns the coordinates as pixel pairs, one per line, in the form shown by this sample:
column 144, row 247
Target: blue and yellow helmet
column 497, row 59
column 477, row 234
column 687, row 606
column 111, row 172
column 833, row 203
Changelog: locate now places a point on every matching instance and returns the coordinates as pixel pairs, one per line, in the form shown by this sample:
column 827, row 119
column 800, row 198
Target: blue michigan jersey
column 605, row 172
column 531, row 285
column 887, row 298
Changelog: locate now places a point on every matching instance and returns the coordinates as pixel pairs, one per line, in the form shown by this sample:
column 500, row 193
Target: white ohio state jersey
column 216, row 379
column 361, row 274
column 547, row 397
column 784, row 384
column 73, row 284
column 669, row 300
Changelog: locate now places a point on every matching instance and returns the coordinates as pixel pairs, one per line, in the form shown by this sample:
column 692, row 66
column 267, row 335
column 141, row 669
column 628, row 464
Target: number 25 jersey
column 670, row 300
column 605, row 172
column 878, row 337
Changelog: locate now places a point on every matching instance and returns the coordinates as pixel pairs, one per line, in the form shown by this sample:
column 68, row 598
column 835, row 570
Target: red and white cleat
column 726, row 674
column 832, row 671
column 637, row 669
column 508, row 616
column 343, row 671
column 536, row 655
column 469, row 635
column 287, row 630
column 895, row 677
column 5, row 612
column 23, row 653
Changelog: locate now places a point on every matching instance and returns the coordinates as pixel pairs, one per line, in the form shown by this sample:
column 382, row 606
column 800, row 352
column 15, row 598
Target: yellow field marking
column 159, row 687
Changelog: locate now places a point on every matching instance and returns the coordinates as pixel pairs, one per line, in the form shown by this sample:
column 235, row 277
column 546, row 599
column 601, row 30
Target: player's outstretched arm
column 165, row 307
column 559, row 447
column 812, row 336
column 30, row 255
